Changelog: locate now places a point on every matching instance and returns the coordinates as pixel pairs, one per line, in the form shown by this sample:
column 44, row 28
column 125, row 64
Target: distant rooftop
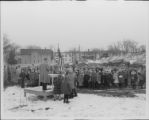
column 40, row 51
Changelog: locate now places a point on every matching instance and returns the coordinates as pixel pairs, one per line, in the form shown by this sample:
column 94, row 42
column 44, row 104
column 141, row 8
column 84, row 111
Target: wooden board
column 38, row 91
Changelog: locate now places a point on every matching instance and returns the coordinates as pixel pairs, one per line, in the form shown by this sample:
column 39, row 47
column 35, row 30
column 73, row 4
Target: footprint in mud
column 32, row 110
column 47, row 108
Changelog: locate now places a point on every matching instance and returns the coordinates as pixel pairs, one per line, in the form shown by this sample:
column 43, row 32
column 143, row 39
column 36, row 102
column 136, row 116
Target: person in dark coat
column 28, row 71
column 98, row 76
column 57, row 87
column 93, row 79
column 125, row 78
column 86, row 78
column 66, row 88
column 36, row 78
column 9, row 74
column 22, row 76
column 134, row 78
column 141, row 80
column 32, row 78
column 121, row 79
column 104, row 80
column 74, row 91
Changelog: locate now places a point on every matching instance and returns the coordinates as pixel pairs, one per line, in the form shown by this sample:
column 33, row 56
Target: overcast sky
column 88, row 24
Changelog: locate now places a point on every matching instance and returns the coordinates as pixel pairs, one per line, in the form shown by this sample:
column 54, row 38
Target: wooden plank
column 38, row 91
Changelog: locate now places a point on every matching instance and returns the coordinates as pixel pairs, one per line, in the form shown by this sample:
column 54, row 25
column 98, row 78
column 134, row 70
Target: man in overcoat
column 44, row 71
column 72, row 79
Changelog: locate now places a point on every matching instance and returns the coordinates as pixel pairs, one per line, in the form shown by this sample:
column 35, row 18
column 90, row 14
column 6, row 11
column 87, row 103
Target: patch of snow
column 85, row 105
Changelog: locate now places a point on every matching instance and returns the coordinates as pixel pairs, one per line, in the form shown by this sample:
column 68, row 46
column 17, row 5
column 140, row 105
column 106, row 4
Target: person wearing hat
column 44, row 70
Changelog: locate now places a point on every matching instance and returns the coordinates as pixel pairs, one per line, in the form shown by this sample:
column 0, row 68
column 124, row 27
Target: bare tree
column 7, row 45
column 10, row 49
column 123, row 47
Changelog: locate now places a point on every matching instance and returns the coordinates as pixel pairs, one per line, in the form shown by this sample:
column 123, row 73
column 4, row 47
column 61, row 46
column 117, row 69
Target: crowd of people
column 103, row 78
column 70, row 79
column 28, row 76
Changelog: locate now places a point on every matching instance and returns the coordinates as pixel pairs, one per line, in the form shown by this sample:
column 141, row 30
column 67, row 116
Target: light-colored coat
column 44, row 70
column 115, row 77
column 80, row 79
column 72, row 77
column 98, row 75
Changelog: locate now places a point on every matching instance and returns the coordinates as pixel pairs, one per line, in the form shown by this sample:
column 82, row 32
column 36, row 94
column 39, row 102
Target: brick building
column 35, row 56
